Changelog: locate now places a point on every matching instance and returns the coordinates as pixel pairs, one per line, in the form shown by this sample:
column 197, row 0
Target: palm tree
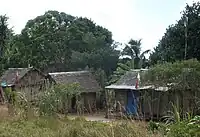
column 133, row 50
column 138, row 60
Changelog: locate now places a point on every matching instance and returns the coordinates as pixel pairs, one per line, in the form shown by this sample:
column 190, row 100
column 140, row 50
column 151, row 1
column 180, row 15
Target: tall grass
column 45, row 121
column 53, row 127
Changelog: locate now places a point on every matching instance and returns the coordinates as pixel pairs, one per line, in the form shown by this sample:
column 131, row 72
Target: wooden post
column 107, row 105
column 2, row 95
column 158, row 107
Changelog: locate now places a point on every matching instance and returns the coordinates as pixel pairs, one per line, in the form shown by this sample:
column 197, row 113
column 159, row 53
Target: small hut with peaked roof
column 87, row 82
column 28, row 80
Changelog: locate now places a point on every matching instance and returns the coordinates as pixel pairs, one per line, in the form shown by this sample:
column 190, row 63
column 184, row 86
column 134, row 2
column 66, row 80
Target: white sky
column 124, row 18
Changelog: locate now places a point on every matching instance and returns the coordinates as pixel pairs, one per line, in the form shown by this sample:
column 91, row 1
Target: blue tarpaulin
column 131, row 108
column 3, row 84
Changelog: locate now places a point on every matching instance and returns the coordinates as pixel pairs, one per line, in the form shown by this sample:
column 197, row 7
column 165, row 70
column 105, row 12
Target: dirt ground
column 3, row 110
column 89, row 117
column 94, row 117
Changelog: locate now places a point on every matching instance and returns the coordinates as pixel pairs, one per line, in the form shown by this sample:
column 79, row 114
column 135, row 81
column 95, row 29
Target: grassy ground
column 79, row 127
column 70, row 126
column 90, row 126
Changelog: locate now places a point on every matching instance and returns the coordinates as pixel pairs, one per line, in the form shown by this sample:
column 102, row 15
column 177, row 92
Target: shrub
column 57, row 98
column 187, row 128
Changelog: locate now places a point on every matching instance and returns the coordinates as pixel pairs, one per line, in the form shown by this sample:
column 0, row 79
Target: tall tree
column 56, row 41
column 172, row 45
column 104, row 58
column 86, row 36
column 5, row 37
column 133, row 49
column 3, row 33
column 46, row 40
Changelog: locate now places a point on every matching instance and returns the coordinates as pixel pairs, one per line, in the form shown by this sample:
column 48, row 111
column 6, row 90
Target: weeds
column 52, row 127
column 44, row 120
column 173, row 116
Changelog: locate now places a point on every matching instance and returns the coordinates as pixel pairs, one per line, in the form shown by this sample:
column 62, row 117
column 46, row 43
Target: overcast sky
column 146, row 19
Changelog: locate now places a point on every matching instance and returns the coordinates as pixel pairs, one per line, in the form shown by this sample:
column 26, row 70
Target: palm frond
column 135, row 42
column 124, row 66
column 128, row 51
column 145, row 52
column 136, row 50
column 135, row 46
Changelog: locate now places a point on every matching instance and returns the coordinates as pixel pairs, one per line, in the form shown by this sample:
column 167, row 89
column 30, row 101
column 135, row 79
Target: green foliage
column 172, row 45
column 133, row 50
column 5, row 33
column 57, row 41
column 104, row 58
column 182, row 78
column 187, row 128
column 23, row 106
column 152, row 126
column 57, row 98
column 137, row 60
column 180, row 128
column 173, row 117
column 52, row 127
column 183, row 73
column 5, row 37
column 11, row 96
column 121, row 69
column 50, row 40
column 156, row 127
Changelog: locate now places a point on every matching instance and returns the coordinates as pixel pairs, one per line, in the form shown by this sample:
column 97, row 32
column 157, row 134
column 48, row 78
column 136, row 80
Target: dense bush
column 184, row 73
column 189, row 128
column 57, row 98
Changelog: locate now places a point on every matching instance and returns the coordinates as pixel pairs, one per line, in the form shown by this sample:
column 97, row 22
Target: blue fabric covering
column 131, row 108
column 3, row 84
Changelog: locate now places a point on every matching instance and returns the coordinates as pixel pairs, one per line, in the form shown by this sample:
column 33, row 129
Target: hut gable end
column 22, row 77
column 9, row 76
column 31, row 78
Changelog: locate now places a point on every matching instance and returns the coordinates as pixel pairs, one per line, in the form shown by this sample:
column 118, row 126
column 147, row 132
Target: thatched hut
column 130, row 98
column 27, row 80
column 88, row 83
column 150, row 101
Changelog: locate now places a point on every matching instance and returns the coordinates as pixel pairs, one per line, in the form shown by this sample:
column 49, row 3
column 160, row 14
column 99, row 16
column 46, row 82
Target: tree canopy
column 5, row 41
column 57, row 41
column 172, row 45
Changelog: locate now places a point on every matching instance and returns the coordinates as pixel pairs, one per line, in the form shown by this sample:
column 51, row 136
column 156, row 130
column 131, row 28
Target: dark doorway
column 74, row 102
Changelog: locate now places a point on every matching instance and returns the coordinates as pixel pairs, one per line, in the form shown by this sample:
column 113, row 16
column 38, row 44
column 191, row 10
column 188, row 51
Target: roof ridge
column 138, row 70
column 17, row 68
column 69, row 72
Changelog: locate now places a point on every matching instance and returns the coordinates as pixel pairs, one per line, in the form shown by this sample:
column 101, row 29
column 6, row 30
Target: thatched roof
column 10, row 75
column 127, row 81
column 84, row 78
